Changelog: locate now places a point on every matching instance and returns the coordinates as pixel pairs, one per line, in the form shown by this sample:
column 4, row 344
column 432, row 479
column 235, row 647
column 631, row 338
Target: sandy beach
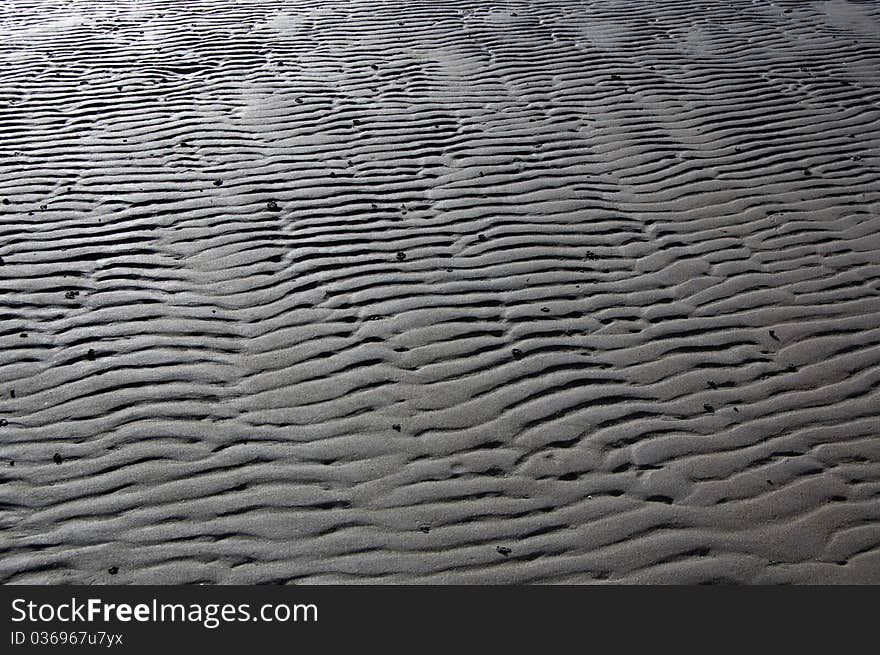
column 475, row 291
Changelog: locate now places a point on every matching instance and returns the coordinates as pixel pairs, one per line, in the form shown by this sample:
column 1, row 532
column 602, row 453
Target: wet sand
column 439, row 292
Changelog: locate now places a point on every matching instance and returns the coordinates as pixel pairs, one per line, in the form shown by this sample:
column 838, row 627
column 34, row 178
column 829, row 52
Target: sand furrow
column 461, row 291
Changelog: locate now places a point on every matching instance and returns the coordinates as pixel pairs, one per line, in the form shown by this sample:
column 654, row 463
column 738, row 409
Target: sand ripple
column 459, row 291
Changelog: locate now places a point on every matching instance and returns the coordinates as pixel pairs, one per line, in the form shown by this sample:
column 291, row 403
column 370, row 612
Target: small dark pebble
column 517, row 353
column 57, row 458
column 709, row 408
column 545, row 309
column 5, row 201
column 91, row 355
column 70, row 295
column 3, row 422
column 12, row 393
column 396, row 427
column 401, row 256
column 272, row 206
column 712, row 384
column 11, row 462
column 2, row 261
column 425, row 528
column 481, row 237
column 23, row 335
column 113, row 570
column 503, row 550
column 218, row 182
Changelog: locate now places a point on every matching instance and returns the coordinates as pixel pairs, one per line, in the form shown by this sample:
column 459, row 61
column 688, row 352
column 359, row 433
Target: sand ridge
column 460, row 291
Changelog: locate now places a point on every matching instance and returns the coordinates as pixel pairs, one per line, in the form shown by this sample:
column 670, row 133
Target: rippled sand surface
column 439, row 291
